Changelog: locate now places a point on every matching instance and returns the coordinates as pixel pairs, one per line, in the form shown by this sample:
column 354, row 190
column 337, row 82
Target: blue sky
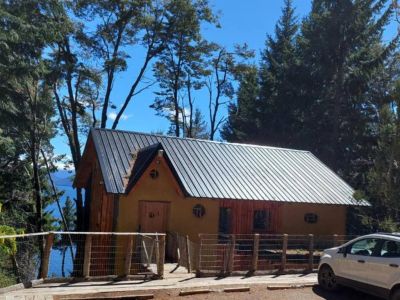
column 242, row 21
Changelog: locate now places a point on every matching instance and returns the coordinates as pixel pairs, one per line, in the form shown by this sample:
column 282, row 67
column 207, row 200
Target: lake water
column 62, row 182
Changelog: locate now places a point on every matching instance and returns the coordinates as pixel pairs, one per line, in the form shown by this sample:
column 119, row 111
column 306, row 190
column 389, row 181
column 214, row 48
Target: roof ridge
column 204, row 141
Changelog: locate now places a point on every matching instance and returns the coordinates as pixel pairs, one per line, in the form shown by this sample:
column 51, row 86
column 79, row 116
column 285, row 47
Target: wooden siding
column 102, row 206
column 243, row 213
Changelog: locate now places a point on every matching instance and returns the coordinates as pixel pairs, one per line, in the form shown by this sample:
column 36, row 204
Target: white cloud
column 113, row 116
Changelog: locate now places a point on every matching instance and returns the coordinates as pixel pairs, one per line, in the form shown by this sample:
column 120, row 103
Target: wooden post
column 87, row 256
column 256, row 246
column 46, row 255
column 284, row 250
column 335, row 240
column 231, row 253
column 311, row 252
column 128, row 255
column 178, row 250
column 189, row 264
column 197, row 263
column 161, row 256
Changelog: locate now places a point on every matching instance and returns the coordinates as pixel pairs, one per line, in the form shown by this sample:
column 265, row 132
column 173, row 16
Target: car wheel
column 395, row 295
column 327, row 278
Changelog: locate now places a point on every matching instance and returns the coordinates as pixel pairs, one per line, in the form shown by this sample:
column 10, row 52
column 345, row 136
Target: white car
column 369, row 263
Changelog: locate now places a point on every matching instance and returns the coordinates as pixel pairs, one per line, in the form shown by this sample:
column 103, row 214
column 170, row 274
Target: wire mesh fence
column 80, row 255
column 263, row 253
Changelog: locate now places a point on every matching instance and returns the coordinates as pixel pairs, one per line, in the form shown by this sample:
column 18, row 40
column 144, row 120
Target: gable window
column 153, row 174
column 260, row 220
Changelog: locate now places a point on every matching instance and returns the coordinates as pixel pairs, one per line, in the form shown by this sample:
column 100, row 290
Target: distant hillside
column 63, row 178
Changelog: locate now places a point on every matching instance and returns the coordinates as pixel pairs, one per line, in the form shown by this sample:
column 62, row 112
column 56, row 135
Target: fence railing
column 76, row 255
column 262, row 253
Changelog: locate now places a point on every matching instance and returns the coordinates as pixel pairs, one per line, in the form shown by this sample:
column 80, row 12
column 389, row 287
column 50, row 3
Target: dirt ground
column 256, row 292
column 261, row 292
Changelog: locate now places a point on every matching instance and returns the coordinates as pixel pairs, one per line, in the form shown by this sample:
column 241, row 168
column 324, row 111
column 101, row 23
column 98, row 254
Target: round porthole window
column 199, row 210
column 311, row 218
column 153, row 174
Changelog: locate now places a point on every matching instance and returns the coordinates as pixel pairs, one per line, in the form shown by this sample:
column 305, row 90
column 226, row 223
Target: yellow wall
column 331, row 219
column 164, row 188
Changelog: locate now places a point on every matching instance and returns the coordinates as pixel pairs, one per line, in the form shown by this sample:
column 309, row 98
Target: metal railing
column 262, row 253
column 67, row 255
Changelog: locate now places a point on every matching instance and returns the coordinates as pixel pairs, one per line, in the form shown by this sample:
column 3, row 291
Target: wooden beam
column 46, row 255
column 284, row 250
column 256, row 246
column 161, row 256
column 189, row 265
column 311, row 252
column 231, row 253
column 197, row 263
column 128, row 255
column 87, row 256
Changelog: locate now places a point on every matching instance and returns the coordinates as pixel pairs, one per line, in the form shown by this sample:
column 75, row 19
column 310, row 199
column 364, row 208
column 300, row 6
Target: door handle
column 361, row 261
column 394, row 265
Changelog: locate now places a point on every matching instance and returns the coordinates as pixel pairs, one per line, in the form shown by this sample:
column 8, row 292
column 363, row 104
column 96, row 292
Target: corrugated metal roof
column 209, row 169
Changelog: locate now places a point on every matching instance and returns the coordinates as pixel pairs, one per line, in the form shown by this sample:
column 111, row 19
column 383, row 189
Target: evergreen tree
column 383, row 188
column 182, row 58
column 340, row 50
column 242, row 124
column 278, row 91
column 199, row 127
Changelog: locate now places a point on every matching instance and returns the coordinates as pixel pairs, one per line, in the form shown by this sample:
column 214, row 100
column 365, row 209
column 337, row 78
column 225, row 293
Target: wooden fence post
column 197, row 263
column 256, row 246
column 128, row 255
column 284, row 250
column 161, row 256
column 46, row 255
column 311, row 252
column 87, row 256
column 231, row 254
column 189, row 264
column 335, row 240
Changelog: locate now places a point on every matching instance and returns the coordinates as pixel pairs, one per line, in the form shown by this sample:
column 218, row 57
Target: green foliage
column 278, row 103
column 242, row 124
column 181, row 64
column 7, row 246
column 8, row 249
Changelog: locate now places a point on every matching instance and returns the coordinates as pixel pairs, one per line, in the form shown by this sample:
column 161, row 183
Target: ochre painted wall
column 290, row 217
column 331, row 219
column 166, row 189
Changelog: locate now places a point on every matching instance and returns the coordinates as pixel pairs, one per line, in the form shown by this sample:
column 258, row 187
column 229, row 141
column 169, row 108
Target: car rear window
column 390, row 249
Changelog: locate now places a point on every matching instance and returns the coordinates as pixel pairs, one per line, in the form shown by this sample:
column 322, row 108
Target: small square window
column 260, row 220
column 311, row 218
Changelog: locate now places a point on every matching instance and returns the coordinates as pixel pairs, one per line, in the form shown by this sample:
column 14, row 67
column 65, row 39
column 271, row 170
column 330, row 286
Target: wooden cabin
column 137, row 182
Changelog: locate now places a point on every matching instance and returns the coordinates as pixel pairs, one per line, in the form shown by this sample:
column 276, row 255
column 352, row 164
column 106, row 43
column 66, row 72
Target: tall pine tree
column 340, row 49
column 242, row 124
column 278, row 90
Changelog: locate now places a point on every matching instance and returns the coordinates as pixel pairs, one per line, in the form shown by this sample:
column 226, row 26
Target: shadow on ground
column 342, row 294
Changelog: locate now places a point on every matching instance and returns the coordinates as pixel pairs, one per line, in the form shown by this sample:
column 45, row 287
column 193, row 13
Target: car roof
column 383, row 235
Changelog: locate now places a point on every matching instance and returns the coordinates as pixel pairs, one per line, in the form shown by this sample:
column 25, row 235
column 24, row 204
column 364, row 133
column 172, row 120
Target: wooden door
column 153, row 216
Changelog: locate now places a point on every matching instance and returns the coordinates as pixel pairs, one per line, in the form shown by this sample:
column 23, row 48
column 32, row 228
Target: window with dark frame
column 311, row 218
column 260, row 220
